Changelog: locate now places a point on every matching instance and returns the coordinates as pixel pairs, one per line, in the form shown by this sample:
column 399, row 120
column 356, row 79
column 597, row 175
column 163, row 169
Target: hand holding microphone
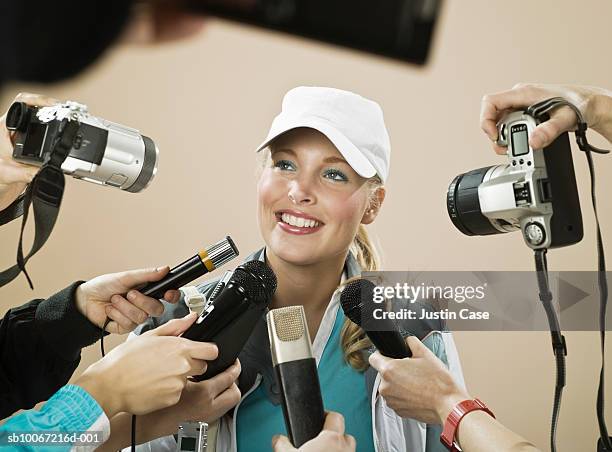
column 331, row 439
column 421, row 387
column 100, row 299
column 149, row 372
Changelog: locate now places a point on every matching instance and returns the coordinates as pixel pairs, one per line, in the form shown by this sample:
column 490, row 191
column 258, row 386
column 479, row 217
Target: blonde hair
column 352, row 338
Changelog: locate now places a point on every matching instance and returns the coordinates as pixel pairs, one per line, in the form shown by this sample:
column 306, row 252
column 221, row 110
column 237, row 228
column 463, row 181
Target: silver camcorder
column 535, row 192
column 102, row 152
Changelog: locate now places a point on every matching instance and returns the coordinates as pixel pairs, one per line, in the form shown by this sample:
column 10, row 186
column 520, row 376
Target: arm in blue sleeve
column 71, row 409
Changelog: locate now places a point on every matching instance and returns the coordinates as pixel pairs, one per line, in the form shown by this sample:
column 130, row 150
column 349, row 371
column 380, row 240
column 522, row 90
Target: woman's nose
column 301, row 193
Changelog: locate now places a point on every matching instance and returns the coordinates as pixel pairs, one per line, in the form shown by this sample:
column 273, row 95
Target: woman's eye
column 285, row 165
column 336, row 175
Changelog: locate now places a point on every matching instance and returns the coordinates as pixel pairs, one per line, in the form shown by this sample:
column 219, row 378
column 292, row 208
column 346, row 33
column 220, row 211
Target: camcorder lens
column 149, row 166
column 463, row 204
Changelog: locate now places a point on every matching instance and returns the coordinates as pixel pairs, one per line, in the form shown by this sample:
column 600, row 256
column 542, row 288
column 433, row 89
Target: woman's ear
column 372, row 211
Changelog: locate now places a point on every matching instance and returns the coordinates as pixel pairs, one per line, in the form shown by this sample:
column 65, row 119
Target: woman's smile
column 296, row 222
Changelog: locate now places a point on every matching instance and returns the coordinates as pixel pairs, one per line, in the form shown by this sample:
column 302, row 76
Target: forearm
column 479, row 432
column 148, row 427
column 602, row 107
column 62, row 326
column 32, row 370
column 71, row 409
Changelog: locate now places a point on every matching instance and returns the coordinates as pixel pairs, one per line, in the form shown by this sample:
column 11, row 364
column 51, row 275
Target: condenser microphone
column 357, row 301
column 205, row 261
column 296, row 373
column 230, row 318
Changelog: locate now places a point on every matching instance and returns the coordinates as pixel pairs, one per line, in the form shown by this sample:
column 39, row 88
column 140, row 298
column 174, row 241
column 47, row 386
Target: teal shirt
column 343, row 389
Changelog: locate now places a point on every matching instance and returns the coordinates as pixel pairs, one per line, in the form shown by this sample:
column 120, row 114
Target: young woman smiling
column 326, row 159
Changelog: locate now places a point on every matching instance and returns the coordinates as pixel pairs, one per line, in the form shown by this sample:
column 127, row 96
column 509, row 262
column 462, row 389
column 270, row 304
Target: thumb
column 544, row 134
column 175, row 327
column 378, row 361
column 334, row 422
column 419, row 350
column 280, row 443
column 134, row 278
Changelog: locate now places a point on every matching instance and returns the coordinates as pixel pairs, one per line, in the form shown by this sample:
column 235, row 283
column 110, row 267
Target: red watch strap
column 452, row 421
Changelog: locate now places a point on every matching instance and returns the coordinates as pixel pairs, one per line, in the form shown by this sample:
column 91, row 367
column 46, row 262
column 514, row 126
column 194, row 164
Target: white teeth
column 298, row 221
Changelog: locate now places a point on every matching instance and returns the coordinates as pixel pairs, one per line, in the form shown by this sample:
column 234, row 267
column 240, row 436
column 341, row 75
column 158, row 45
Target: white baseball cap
column 354, row 124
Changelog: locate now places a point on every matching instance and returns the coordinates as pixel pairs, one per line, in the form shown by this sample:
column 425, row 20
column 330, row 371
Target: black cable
column 133, row 433
column 558, row 341
column 605, row 442
column 106, row 322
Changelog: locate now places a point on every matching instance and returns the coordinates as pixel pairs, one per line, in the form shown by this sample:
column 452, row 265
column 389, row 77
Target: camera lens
column 149, row 166
column 463, row 204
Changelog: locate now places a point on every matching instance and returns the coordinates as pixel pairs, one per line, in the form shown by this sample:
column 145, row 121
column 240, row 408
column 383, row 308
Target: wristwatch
column 452, row 421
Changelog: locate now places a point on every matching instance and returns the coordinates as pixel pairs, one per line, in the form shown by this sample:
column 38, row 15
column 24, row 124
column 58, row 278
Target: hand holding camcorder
column 102, row 152
column 63, row 138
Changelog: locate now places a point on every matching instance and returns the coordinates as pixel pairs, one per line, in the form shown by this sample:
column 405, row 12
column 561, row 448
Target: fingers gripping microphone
column 296, row 373
column 230, row 318
column 358, row 305
column 205, row 261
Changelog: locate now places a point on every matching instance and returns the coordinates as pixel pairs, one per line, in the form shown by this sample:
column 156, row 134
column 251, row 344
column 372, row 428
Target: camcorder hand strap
column 558, row 341
column 44, row 194
column 14, row 210
column 540, row 111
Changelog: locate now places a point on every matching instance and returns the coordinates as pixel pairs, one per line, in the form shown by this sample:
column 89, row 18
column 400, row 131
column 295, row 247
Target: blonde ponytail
column 353, row 338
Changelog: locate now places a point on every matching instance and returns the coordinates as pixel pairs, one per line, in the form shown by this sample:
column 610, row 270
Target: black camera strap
column 540, row 111
column 558, row 341
column 44, row 194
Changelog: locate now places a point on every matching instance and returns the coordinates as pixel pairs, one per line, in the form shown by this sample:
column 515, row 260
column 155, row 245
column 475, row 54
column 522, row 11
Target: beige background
column 208, row 102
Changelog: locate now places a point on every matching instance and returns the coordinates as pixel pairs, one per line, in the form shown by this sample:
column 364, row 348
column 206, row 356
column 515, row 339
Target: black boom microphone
column 230, row 318
column 357, row 300
column 296, row 373
column 205, row 261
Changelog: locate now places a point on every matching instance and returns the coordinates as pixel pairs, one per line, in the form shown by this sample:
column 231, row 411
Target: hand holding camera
column 101, row 151
column 535, row 192
column 594, row 103
column 14, row 176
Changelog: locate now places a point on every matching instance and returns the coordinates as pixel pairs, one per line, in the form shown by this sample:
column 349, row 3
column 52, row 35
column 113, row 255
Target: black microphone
column 230, row 318
column 205, row 261
column 296, row 373
column 357, row 300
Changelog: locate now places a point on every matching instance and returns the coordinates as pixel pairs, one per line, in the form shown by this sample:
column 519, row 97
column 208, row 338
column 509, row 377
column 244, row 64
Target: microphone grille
column 288, row 323
column 356, row 299
column 258, row 280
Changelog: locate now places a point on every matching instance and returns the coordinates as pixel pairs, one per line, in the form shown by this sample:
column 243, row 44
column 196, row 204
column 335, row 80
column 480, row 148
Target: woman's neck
column 309, row 285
